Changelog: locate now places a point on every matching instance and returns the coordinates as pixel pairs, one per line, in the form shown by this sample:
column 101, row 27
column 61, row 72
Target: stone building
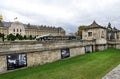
column 113, row 33
column 1, row 18
column 4, row 30
column 28, row 29
column 95, row 32
column 98, row 32
column 3, row 27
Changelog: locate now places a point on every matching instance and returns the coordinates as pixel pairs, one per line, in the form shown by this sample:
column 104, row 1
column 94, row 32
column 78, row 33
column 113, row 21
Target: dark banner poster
column 87, row 49
column 65, row 53
column 15, row 61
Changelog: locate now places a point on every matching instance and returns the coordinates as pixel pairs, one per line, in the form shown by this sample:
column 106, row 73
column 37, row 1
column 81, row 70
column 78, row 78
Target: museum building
column 17, row 27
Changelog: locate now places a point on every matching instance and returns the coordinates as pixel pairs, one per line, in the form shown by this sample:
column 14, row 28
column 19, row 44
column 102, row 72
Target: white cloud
column 66, row 13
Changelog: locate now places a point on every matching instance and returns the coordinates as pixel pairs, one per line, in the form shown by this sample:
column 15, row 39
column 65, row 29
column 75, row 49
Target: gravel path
column 114, row 74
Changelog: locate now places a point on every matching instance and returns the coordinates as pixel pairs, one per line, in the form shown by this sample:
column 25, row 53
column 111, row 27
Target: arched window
column 20, row 30
column 17, row 30
column 13, row 30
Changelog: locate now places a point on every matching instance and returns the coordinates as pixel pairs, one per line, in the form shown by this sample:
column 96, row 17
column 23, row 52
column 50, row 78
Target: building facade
column 95, row 32
column 14, row 28
column 98, row 32
column 112, row 33
column 101, row 35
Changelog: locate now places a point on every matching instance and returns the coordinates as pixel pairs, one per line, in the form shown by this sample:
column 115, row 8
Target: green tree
column 25, row 37
column 80, row 28
column 11, row 37
column 30, row 37
column 19, row 37
column 2, row 36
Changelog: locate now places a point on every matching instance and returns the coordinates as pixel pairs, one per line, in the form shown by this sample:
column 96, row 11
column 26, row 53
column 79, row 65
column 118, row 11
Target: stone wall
column 39, row 58
column 39, row 53
column 114, row 44
column 36, row 45
column 77, row 51
column 101, row 47
column 117, row 46
column 3, row 64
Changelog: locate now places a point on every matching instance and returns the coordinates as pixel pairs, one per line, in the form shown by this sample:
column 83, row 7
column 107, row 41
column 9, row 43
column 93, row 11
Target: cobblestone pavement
column 114, row 74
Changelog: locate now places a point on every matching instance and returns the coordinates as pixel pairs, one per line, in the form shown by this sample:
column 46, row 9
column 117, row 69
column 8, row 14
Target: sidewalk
column 114, row 74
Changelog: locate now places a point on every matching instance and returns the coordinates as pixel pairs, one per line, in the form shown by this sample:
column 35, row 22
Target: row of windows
column 17, row 33
column 17, row 30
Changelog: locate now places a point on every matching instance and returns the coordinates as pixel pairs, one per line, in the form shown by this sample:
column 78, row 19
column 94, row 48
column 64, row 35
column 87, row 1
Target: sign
column 65, row 53
column 15, row 61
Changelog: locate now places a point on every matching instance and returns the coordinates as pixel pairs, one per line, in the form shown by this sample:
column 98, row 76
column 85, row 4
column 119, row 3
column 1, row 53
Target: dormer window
column 89, row 34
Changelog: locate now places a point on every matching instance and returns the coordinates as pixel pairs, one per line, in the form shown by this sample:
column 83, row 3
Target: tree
column 25, row 37
column 79, row 32
column 18, row 36
column 2, row 36
column 30, row 37
column 11, row 37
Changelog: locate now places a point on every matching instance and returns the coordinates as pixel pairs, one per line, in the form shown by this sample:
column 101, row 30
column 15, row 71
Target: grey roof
column 29, row 26
column 8, row 24
column 1, row 24
column 115, row 30
column 94, row 25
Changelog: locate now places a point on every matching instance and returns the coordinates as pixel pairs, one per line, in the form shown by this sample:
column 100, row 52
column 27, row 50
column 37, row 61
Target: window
column 13, row 30
column 20, row 30
column 17, row 30
column 102, row 35
column 89, row 34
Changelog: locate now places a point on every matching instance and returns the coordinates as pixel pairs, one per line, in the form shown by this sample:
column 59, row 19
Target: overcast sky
column 68, row 14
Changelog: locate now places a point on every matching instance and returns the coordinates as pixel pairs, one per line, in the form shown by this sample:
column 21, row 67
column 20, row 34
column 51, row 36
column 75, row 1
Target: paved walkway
column 114, row 74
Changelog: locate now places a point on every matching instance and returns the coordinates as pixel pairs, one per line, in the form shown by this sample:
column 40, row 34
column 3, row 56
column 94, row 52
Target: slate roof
column 94, row 25
column 8, row 24
column 115, row 30
column 110, row 29
column 29, row 26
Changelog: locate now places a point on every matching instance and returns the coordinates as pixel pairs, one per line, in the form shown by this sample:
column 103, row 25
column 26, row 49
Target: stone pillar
column 3, row 64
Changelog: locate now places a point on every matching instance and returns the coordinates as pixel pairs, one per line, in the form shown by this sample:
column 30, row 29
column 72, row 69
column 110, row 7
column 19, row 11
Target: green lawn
column 90, row 66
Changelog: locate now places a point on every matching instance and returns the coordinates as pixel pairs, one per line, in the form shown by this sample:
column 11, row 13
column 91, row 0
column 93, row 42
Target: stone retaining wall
column 77, row 51
column 39, row 58
column 38, row 53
